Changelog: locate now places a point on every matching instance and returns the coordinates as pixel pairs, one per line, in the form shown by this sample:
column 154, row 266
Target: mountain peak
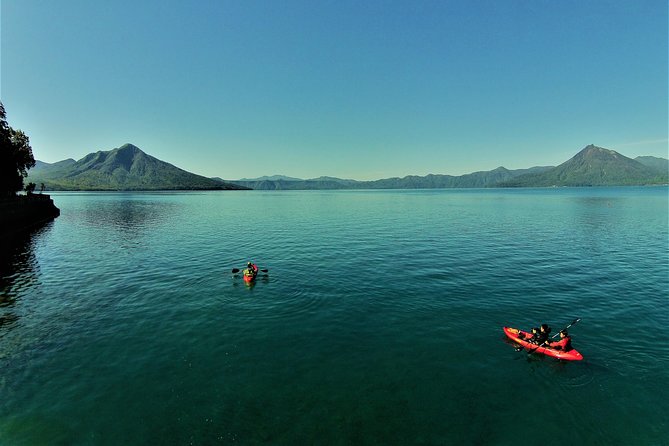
column 125, row 157
column 593, row 151
column 129, row 148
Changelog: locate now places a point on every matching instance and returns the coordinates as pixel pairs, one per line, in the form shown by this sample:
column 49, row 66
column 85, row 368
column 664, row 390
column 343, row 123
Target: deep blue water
column 379, row 321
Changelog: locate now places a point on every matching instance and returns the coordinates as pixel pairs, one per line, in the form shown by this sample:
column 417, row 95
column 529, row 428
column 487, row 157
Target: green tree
column 16, row 156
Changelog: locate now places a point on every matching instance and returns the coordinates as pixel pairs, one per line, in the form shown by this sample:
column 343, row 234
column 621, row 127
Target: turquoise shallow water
column 379, row 321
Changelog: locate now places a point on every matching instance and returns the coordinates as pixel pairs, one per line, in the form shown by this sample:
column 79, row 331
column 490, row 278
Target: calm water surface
column 379, row 321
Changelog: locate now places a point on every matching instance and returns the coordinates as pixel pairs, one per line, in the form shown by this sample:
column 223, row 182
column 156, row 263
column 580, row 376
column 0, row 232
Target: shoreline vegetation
column 19, row 213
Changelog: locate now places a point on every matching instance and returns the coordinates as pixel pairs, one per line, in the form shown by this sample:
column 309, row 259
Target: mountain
column 593, row 166
column 123, row 168
column 55, row 166
column 659, row 164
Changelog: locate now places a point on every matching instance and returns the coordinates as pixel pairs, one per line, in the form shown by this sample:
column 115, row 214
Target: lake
column 379, row 321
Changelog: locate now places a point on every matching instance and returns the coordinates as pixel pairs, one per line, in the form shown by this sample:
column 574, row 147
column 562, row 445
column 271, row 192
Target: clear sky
column 352, row 89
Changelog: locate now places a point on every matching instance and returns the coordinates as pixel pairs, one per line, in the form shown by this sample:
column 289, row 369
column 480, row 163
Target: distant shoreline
column 363, row 188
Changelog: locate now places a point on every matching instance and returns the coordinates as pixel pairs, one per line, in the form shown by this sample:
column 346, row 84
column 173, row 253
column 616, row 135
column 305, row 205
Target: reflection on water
column 18, row 270
column 130, row 216
column 128, row 219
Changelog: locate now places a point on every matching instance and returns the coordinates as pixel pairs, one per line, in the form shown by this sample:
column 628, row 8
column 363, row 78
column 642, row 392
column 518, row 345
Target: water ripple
column 381, row 312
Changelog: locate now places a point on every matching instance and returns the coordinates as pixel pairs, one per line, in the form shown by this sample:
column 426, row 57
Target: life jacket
column 533, row 337
column 563, row 344
column 252, row 271
column 539, row 338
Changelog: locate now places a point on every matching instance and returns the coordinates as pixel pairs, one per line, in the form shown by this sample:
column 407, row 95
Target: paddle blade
column 235, row 270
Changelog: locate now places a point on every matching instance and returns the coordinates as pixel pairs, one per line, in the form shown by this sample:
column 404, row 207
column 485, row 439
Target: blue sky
column 353, row 89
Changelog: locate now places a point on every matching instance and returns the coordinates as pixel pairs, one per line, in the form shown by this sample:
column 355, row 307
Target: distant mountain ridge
column 123, row 168
column 431, row 181
column 271, row 178
column 659, row 164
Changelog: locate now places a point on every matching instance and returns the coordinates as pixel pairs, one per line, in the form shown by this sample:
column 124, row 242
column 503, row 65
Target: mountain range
column 128, row 168
column 471, row 180
column 592, row 166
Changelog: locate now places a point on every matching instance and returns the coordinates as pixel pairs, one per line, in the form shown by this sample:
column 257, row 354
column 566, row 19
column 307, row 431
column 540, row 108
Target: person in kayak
column 251, row 270
column 541, row 337
column 535, row 335
column 563, row 344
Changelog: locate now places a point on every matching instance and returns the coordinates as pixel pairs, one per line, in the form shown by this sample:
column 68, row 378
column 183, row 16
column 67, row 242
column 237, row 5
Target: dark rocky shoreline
column 22, row 212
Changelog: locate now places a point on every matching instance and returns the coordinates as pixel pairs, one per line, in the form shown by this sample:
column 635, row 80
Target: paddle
column 236, row 270
column 555, row 335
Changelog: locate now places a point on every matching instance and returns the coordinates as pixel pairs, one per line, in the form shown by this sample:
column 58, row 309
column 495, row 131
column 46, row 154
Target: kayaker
column 533, row 338
column 535, row 335
column 251, row 270
column 542, row 336
column 539, row 335
column 563, row 344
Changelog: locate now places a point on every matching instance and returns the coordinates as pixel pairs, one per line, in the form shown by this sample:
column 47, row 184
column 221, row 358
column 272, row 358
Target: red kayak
column 519, row 336
column 250, row 273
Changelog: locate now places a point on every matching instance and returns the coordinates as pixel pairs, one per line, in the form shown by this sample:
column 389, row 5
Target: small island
column 19, row 212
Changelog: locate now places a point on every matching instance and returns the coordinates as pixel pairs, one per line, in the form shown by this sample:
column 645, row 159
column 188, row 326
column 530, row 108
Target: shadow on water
column 18, row 270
